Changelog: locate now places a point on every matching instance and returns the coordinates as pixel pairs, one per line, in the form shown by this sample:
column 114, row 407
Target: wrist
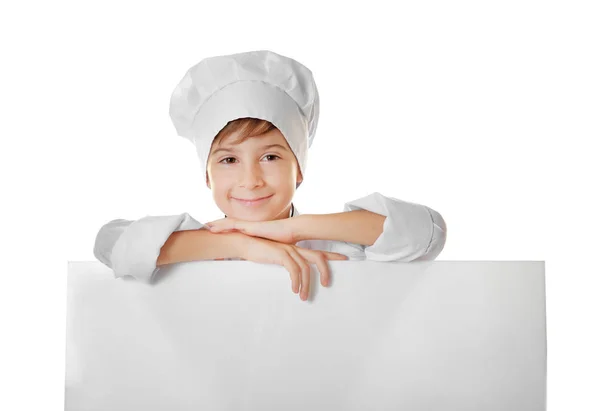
column 224, row 245
column 239, row 244
column 298, row 228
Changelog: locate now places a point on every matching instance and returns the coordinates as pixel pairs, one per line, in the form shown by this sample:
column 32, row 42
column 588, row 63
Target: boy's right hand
column 295, row 259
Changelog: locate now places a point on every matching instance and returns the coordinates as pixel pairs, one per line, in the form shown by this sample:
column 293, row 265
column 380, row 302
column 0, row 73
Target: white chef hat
column 260, row 84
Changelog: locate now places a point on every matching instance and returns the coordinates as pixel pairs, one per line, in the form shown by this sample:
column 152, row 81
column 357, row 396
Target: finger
column 232, row 223
column 323, row 266
column 216, row 226
column 228, row 223
column 239, row 225
column 320, row 260
column 290, row 264
column 335, row 256
column 216, row 229
column 305, row 267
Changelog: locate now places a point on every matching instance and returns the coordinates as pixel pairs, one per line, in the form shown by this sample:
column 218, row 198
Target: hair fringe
column 244, row 128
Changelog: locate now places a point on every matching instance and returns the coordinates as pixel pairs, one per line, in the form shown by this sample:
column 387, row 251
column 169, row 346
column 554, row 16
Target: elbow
column 106, row 238
column 103, row 245
column 438, row 238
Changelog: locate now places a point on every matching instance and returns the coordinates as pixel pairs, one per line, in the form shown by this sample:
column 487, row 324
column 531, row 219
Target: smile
column 253, row 202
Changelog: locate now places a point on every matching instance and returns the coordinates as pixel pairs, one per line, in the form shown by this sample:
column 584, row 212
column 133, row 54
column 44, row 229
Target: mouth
column 252, row 202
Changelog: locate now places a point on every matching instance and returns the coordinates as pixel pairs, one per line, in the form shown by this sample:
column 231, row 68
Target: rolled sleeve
column 438, row 240
column 409, row 229
column 132, row 247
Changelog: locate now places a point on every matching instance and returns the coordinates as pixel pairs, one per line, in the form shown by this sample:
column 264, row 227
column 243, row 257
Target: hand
column 295, row 259
column 276, row 230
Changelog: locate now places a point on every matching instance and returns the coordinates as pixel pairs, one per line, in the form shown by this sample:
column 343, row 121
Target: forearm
column 195, row 245
column 358, row 227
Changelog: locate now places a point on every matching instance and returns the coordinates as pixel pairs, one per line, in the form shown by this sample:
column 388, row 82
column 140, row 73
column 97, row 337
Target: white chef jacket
column 411, row 232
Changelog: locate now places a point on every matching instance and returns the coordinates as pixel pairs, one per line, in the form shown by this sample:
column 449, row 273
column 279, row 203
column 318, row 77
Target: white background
column 487, row 112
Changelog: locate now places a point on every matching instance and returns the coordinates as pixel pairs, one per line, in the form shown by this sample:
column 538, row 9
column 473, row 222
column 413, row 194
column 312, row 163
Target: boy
column 240, row 110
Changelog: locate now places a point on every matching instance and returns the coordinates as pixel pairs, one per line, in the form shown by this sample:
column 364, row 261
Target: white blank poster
column 231, row 335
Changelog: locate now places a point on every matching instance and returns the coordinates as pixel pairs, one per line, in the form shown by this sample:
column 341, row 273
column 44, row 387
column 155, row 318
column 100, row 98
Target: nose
column 252, row 175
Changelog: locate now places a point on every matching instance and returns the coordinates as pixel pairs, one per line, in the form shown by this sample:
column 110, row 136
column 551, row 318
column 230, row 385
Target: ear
column 207, row 181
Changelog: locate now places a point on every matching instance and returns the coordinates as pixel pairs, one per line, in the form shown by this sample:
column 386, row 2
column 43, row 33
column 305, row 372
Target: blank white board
column 231, row 335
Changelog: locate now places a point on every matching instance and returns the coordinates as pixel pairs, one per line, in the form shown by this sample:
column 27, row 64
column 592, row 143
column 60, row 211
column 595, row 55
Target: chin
column 251, row 215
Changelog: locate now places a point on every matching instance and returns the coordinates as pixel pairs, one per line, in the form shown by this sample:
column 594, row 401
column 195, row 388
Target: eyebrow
column 263, row 147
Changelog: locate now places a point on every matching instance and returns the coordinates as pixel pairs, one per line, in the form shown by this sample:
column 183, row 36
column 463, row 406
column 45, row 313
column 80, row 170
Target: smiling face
column 257, row 167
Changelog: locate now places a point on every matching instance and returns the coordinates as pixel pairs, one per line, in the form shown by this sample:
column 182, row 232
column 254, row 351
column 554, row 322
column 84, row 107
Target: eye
column 226, row 158
column 272, row 155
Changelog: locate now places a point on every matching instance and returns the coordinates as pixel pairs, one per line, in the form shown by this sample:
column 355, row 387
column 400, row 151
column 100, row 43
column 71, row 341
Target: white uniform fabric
column 411, row 232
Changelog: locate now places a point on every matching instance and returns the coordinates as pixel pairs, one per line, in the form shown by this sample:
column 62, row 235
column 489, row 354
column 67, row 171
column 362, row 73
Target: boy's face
column 250, row 170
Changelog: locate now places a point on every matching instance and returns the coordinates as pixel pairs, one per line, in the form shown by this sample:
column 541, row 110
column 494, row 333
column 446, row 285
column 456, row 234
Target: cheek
column 219, row 187
column 282, row 172
column 220, row 179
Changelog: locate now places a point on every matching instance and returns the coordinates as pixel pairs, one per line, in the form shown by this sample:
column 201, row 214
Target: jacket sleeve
column 354, row 252
column 411, row 232
column 131, row 247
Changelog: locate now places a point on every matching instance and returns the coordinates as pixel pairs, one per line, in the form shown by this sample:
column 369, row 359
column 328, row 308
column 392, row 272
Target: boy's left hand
column 276, row 230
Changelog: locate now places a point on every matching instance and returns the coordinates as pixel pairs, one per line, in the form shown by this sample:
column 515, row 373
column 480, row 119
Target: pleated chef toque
column 260, row 84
